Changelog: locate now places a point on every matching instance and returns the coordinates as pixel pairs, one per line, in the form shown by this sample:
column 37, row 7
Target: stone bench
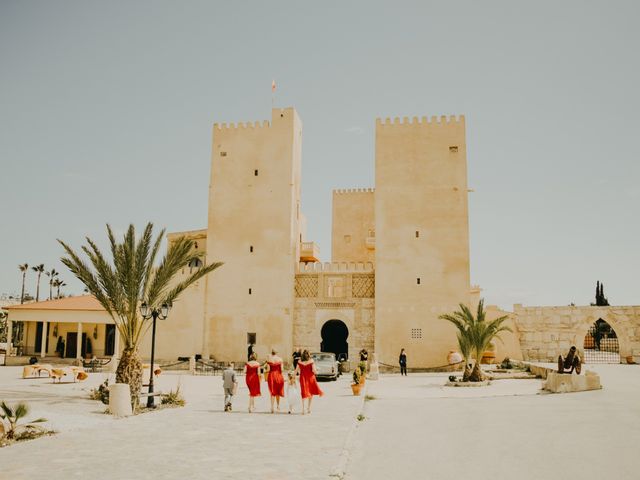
column 570, row 382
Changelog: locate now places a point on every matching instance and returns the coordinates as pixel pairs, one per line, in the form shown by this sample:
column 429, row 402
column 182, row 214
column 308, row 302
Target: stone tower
column 254, row 228
column 422, row 236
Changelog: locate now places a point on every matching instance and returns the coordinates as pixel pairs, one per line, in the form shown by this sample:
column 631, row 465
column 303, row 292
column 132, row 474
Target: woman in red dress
column 252, row 377
column 308, row 384
column 275, row 380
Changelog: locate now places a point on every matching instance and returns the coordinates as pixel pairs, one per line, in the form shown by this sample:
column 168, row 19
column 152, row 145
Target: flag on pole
column 273, row 86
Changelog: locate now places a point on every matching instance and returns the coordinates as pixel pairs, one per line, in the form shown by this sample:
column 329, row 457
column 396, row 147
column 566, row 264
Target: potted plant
column 356, row 386
column 362, row 367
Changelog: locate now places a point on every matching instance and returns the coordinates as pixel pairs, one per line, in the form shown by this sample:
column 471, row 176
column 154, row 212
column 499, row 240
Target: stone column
column 9, row 333
column 45, row 338
column 79, row 342
column 116, row 351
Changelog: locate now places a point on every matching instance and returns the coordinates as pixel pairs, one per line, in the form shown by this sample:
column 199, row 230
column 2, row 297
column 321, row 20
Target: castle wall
column 421, row 186
column 335, row 291
column 254, row 229
column 546, row 332
column 353, row 226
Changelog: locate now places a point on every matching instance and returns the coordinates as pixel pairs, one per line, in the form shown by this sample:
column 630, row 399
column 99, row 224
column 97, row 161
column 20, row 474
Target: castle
column 400, row 258
column 400, row 252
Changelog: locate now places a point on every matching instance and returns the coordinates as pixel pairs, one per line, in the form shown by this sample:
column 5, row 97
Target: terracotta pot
column 362, row 379
column 356, row 387
column 630, row 360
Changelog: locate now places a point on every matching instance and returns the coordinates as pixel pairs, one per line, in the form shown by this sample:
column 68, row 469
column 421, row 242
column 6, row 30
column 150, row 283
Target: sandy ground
column 415, row 428
column 198, row 441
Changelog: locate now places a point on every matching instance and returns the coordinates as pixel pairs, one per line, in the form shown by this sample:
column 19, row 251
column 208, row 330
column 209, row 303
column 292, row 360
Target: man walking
column 296, row 357
column 229, row 384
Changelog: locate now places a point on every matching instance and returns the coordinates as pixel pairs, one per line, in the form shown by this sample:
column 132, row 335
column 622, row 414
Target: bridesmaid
column 275, row 381
column 252, row 377
column 308, row 384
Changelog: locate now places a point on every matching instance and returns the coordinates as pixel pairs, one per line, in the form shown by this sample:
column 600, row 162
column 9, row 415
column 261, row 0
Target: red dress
column 308, row 384
column 253, row 380
column 275, row 380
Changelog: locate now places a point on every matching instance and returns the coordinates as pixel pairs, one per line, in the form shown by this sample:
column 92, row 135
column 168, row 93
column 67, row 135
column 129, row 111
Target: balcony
column 309, row 252
column 370, row 242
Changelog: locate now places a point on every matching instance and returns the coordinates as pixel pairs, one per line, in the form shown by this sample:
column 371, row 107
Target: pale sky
column 106, row 111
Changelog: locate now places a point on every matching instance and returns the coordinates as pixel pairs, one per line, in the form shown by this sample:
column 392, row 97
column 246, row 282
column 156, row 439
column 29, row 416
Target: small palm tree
column 130, row 277
column 476, row 333
column 23, row 268
column 39, row 269
column 52, row 274
column 10, row 417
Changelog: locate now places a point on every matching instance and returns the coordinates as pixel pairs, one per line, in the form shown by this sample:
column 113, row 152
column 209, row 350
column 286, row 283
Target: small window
column 255, row 173
column 453, row 149
column 251, row 248
column 347, row 239
column 417, row 233
column 249, row 291
column 418, row 280
column 416, row 333
column 223, row 154
column 251, row 338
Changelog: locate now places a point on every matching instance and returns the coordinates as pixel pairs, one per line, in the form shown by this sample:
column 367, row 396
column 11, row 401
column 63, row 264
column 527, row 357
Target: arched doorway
column 334, row 338
column 601, row 344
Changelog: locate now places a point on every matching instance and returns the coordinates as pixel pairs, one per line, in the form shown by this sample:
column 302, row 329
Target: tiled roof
column 83, row 302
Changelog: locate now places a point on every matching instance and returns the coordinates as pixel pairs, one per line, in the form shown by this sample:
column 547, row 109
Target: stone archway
column 334, row 335
column 600, row 343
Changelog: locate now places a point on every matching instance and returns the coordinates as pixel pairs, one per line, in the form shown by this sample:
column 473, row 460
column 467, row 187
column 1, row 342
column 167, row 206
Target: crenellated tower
column 422, row 236
column 254, row 228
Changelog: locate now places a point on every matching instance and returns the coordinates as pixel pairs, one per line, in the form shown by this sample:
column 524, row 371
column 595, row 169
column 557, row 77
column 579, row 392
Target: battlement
column 329, row 267
column 353, row 190
column 242, row 125
column 424, row 121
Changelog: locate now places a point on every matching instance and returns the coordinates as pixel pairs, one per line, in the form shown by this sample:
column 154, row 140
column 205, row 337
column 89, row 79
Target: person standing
column 252, row 378
column 403, row 362
column 275, row 381
column 293, row 392
column 296, row 357
column 249, row 352
column 230, row 385
column 308, row 383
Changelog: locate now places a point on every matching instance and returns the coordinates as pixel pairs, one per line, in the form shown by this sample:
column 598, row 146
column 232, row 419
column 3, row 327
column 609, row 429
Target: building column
column 9, row 333
column 116, row 344
column 45, row 338
column 79, row 342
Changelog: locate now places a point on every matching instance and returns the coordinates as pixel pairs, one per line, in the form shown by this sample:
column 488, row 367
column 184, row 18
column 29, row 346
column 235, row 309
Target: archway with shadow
column 334, row 338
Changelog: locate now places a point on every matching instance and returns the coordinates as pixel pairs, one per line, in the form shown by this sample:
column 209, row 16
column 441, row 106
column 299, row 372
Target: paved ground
column 419, row 430
column 198, row 441
column 414, row 428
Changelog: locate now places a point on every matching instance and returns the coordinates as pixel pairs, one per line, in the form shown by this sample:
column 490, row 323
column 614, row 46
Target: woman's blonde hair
column 253, row 357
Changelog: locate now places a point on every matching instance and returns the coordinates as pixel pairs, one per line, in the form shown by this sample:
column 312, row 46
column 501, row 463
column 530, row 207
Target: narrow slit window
column 417, row 233
column 249, row 291
column 223, row 154
column 255, row 173
column 251, row 248
column 418, row 280
column 453, row 149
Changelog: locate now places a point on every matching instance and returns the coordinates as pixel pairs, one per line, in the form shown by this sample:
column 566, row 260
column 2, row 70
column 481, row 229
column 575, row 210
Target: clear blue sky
column 106, row 111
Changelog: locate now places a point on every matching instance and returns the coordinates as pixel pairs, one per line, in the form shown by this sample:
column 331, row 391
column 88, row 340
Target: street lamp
column 154, row 313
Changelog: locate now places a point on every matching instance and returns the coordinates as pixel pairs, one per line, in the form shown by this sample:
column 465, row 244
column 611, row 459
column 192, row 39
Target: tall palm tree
column 38, row 269
column 477, row 331
column 52, row 274
column 460, row 320
column 57, row 283
column 122, row 282
column 23, row 268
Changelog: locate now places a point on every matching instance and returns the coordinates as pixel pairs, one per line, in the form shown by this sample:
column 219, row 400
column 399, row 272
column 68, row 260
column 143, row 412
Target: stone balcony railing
column 309, row 252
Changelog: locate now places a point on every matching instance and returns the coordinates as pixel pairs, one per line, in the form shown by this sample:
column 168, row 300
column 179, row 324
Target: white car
column 326, row 365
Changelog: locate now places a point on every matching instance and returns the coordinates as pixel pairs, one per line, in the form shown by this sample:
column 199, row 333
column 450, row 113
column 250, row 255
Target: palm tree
column 57, row 283
column 122, row 282
column 460, row 320
column 23, row 268
column 38, row 269
column 12, row 415
column 52, row 274
column 477, row 331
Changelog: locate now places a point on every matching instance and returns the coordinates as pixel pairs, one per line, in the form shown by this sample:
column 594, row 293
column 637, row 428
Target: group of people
column 304, row 370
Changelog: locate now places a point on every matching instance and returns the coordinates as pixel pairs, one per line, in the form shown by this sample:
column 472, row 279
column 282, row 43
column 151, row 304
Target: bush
column 174, row 397
column 101, row 393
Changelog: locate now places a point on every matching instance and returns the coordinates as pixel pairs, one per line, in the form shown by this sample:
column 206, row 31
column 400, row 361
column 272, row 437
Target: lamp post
column 154, row 313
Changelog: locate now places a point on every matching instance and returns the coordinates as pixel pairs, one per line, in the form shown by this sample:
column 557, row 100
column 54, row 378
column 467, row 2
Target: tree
column 601, row 300
column 57, row 283
column 121, row 283
column 476, row 332
column 52, row 274
column 23, row 268
column 38, row 269
column 459, row 320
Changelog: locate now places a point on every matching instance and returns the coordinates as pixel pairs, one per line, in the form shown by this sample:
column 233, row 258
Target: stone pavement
column 416, row 429
column 198, row 441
